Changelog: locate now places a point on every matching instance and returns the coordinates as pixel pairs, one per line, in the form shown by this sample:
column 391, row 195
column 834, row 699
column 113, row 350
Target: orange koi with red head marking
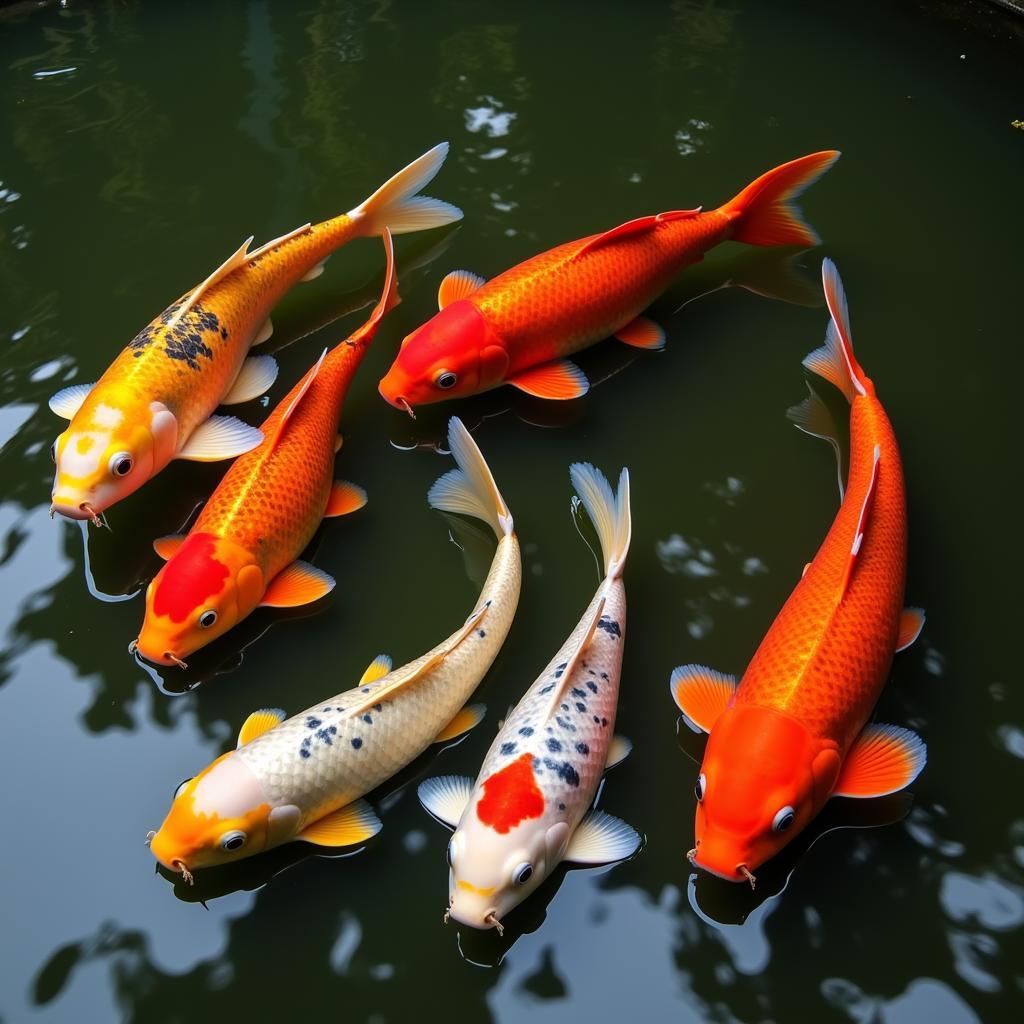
column 242, row 551
column 793, row 733
column 518, row 328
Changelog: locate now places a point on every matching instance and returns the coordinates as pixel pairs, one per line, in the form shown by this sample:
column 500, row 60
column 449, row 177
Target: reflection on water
column 145, row 139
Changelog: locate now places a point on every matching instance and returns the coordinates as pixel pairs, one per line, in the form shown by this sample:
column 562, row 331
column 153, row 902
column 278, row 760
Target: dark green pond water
column 141, row 142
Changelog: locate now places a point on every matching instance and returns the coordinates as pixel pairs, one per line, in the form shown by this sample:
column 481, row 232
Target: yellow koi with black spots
column 154, row 402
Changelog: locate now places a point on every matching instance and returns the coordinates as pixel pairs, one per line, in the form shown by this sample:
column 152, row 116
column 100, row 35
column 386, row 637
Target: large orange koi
column 242, row 551
column 154, row 403
column 793, row 733
column 518, row 328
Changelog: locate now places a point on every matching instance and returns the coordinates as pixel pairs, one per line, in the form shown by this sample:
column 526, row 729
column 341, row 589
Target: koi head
column 207, row 586
column 505, row 846
column 455, row 354
column 221, row 815
column 763, row 779
column 108, row 451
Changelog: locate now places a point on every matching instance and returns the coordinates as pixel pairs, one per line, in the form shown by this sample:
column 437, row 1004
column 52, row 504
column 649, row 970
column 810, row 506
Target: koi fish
column 154, row 403
column 530, row 807
column 303, row 779
column 793, row 734
column 242, row 553
column 518, row 328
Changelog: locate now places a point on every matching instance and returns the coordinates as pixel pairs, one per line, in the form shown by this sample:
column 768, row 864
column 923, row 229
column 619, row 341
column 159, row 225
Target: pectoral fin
column 601, row 838
column 470, row 716
column 314, row 273
column 300, row 583
column 446, row 797
column 345, row 498
column 220, row 437
column 642, row 333
column 457, row 285
column 559, row 380
column 264, row 333
column 256, row 376
column 347, row 826
column 883, row 759
column 702, row 694
column 258, row 723
column 911, row 624
column 618, row 750
column 69, row 400
column 167, row 547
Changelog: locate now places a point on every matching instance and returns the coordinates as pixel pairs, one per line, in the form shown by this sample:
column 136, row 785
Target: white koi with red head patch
column 528, row 809
column 302, row 779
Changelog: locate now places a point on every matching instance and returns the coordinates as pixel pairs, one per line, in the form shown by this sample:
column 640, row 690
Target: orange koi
column 518, row 328
column 793, row 733
column 242, row 551
column 154, row 403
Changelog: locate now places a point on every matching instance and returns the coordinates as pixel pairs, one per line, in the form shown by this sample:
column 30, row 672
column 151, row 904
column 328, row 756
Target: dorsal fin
column 389, row 297
column 402, row 679
column 563, row 675
column 275, row 437
column 237, row 259
column 635, row 227
column 862, row 522
column 264, row 249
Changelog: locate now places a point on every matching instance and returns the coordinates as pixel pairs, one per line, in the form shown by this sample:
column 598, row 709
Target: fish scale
column 825, row 660
column 588, row 719
column 339, row 771
column 272, row 499
column 557, row 303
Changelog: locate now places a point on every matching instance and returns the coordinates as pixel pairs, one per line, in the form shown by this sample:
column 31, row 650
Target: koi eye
column 522, row 874
column 451, row 853
column 701, row 787
column 208, row 618
column 783, row 819
column 232, row 841
column 446, row 379
column 53, row 451
column 121, row 464
column 181, row 786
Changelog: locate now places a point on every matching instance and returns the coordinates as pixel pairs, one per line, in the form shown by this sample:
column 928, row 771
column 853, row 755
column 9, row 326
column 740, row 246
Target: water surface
column 142, row 141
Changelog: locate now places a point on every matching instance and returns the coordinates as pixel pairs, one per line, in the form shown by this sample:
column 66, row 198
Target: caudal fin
column 835, row 360
column 608, row 512
column 397, row 204
column 470, row 490
column 765, row 213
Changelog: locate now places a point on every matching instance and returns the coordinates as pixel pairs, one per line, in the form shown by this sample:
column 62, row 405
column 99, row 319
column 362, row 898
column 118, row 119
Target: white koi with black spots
column 303, row 778
column 528, row 809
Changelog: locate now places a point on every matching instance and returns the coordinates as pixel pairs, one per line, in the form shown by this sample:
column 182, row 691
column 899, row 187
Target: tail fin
column 608, row 512
column 389, row 297
column 470, row 490
column 764, row 212
column 835, row 360
column 397, row 205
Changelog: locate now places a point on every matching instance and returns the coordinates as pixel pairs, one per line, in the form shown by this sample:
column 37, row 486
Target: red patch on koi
column 511, row 796
column 189, row 578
